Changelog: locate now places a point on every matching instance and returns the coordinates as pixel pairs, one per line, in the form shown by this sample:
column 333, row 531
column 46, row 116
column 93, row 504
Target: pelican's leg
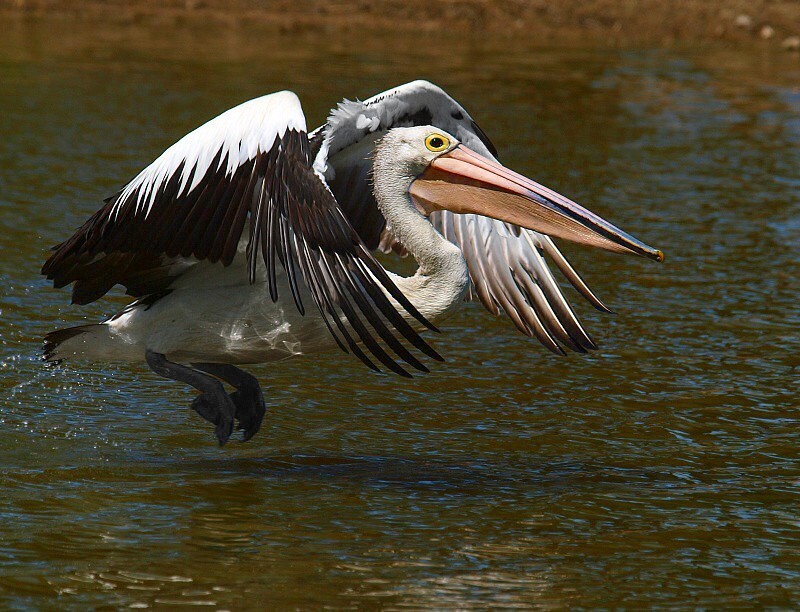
column 249, row 400
column 218, row 407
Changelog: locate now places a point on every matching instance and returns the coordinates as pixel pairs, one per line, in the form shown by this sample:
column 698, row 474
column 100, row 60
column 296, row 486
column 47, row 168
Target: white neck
column 442, row 277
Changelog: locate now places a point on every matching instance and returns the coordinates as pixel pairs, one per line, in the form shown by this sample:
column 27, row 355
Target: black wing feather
column 294, row 220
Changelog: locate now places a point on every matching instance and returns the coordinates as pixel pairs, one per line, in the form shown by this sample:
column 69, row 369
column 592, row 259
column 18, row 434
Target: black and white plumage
column 248, row 208
column 193, row 202
column 506, row 263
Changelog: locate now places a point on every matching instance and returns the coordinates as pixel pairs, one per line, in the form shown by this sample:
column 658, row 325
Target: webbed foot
column 248, row 398
column 219, row 414
column 213, row 404
column 250, row 410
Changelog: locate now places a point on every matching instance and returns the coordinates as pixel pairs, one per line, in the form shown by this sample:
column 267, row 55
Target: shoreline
column 614, row 23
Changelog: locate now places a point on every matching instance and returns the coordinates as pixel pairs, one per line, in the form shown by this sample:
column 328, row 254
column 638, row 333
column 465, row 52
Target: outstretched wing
column 506, row 263
column 253, row 163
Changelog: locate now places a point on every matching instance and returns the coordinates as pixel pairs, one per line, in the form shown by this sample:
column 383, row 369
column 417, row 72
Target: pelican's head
column 446, row 175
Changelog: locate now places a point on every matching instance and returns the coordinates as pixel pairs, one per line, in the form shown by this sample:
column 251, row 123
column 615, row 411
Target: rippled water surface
column 662, row 469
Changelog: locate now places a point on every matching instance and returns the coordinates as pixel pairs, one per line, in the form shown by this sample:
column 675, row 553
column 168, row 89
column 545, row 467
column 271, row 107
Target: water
column 661, row 470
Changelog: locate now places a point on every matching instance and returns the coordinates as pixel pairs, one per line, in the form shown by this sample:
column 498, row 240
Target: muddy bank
column 611, row 22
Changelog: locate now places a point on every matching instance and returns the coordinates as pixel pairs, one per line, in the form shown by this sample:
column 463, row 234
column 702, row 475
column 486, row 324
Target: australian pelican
column 248, row 209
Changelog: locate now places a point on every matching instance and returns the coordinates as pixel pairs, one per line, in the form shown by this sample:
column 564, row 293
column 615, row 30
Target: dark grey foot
column 216, row 405
column 207, row 408
column 250, row 411
column 248, row 398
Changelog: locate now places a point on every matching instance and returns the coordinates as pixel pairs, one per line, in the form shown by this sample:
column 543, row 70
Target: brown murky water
column 662, row 470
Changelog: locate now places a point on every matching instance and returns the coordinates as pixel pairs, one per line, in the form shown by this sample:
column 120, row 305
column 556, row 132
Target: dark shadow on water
column 456, row 475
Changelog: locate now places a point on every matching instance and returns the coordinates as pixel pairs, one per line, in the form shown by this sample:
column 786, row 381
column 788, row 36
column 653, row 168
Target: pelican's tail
column 84, row 342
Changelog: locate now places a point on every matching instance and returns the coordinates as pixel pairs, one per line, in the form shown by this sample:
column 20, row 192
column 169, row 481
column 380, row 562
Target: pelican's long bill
column 463, row 181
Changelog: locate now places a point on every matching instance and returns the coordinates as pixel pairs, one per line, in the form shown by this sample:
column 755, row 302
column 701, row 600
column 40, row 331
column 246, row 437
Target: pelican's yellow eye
column 437, row 142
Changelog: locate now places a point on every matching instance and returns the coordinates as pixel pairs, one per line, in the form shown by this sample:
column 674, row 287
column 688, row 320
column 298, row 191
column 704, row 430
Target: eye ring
column 437, row 142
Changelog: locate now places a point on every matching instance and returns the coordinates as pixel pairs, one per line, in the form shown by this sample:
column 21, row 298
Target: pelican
column 251, row 240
